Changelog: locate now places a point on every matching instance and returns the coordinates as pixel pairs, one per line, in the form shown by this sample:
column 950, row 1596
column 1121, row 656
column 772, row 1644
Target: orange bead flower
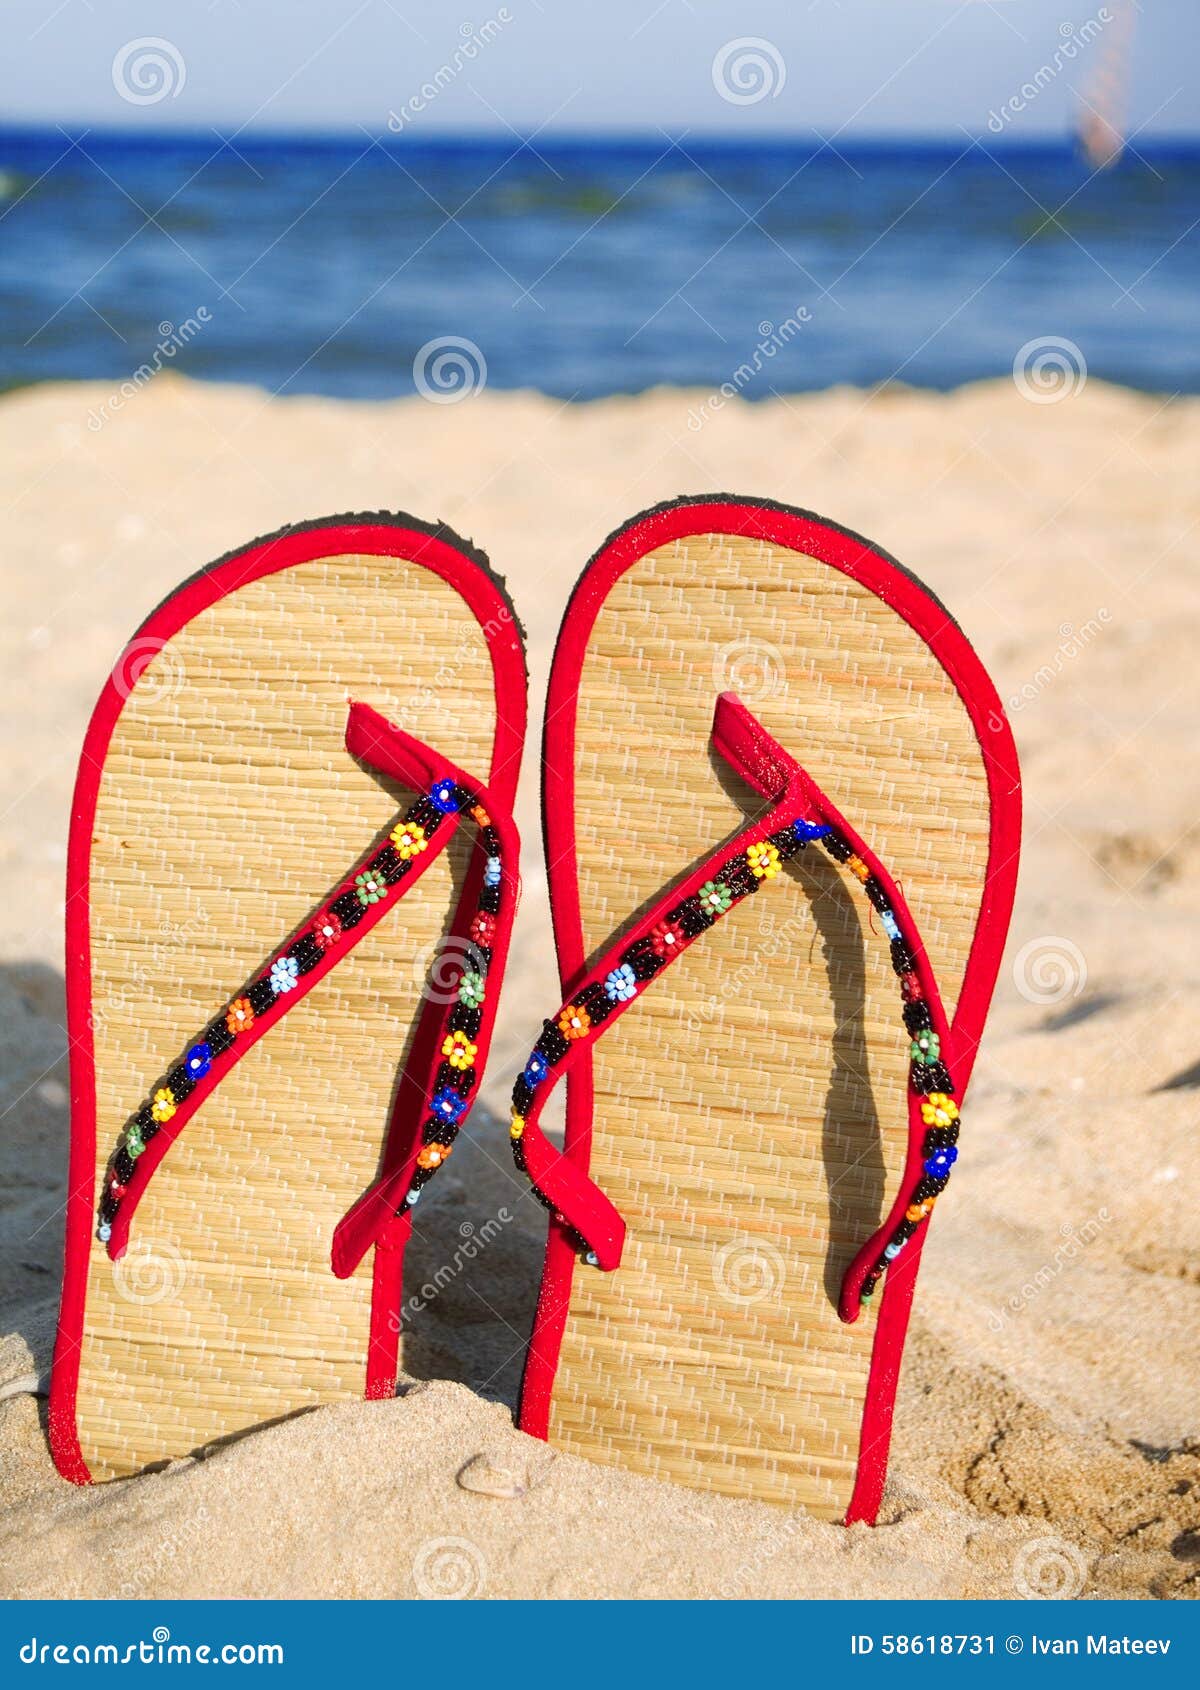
column 574, row 1022
column 239, row 1017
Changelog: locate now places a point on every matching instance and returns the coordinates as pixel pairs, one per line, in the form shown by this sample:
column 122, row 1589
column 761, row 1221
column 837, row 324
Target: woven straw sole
column 228, row 809
column 750, row 1115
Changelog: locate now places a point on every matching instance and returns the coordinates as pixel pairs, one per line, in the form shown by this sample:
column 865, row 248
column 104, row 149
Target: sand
column 1048, row 1423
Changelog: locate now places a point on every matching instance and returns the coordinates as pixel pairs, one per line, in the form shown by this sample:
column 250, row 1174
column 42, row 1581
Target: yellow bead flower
column 459, row 1051
column 517, row 1127
column 409, row 840
column 763, row 859
column 163, row 1106
column 939, row 1110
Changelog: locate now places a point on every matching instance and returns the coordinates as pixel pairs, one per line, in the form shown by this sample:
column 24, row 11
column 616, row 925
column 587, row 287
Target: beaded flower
column 938, row 1165
column 667, row 939
column 939, row 1109
column 472, row 989
column 918, row 1211
column 285, row 971
column 239, row 1017
column 369, row 887
column 715, row 898
column 409, row 840
column 857, row 868
column 443, row 795
column 433, row 1155
column 574, row 1022
column 327, row 930
column 926, row 1047
column 480, row 816
column 621, row 985
column 448, row 1105
column 536, row 1069
column 516, row 1126
column 198, row 1061
column 491, row 872
column 890, row 925
column 134, row 1142
column 910, row 988
column 807, row 831
column 763, row 859
column 483, row 928
column 459, row 1051
column 163, row 1105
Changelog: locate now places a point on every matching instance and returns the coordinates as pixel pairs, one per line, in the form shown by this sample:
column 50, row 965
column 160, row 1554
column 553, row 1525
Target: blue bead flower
column 198, row 1061
column 938, row 1165
column 104, row 1232
column 893, row 1250
column 285, row 971
column 444, row 797
column 805, row 831
column 621, row 984
column 890, row 925
column 447, row 1105
column 491, row 873
column 536, row 1069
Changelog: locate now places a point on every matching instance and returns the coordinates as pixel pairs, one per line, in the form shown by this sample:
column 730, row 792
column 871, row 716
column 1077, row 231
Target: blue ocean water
column 585, row 268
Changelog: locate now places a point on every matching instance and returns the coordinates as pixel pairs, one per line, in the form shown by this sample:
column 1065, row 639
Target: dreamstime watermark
column 148, row 70
column 172, row 339
column 749, row 1270
column 149, row 664
column 754, row 669
column 1072, row 41
column 772, row 340
column 1049, row 369
column 1049, row 1569
column 1049, row 969
column 471, row 44
column 440, row 968
column 449, row 1569
column 1074, row 1241
column 1073, row 642
column 149, row 1272
column 748, row 70
column 449, row 369
column 473, row 1241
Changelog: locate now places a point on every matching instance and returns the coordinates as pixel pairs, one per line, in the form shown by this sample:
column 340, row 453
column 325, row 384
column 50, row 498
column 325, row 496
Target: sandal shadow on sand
column 295, row 794
column 782, row 817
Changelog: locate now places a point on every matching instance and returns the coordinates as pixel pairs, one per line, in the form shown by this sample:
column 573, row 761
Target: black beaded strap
column 741, row 874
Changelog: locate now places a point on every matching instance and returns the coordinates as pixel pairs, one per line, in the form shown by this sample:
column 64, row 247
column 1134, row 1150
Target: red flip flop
column 751, row 1159
column 255, row 897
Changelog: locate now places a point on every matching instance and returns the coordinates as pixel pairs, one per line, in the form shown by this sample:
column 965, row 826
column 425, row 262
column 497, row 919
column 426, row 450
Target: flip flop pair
column 781, row 810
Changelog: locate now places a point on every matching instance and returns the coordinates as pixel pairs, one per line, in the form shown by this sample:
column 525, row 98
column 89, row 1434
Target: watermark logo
column 772, row 340
column 449, row 369
column 748, row 70
column 149, row 1273
column 1049, row 1569
column 1049, row 969
column 754, row 669
column 449, row 1569
column 150, row 665
column 1072, row 40
column 1049, row 369
column 149, row 70
column 749, row 1270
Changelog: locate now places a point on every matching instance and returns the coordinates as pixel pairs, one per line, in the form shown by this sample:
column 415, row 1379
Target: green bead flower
column 926, row 1047
column 715, row 898
column 471, row 989
column 370, row 887
column 134, row 1142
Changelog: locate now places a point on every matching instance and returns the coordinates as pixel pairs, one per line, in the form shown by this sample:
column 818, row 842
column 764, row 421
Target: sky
column 730, row 68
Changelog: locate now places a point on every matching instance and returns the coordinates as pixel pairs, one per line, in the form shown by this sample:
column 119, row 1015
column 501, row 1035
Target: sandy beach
column 1048, row 1430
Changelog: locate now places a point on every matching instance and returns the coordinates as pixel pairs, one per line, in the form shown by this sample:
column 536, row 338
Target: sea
column 369, row 267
